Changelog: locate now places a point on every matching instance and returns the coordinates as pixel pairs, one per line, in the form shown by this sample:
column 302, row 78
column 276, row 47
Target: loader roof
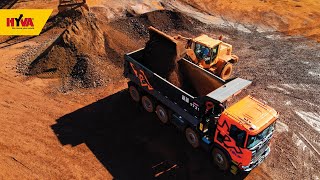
column 207, row 41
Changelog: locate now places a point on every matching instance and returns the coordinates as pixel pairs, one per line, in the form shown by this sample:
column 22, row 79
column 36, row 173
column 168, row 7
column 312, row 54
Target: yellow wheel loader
column 208, row 53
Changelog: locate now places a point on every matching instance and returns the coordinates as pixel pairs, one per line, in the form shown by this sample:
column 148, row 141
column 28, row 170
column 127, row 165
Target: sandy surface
column 294, row 17
column 49, row 132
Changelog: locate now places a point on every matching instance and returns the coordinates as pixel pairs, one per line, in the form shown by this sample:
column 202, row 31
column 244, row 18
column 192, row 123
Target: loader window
column 203, row 52
column 214, row 52
column 238, row 135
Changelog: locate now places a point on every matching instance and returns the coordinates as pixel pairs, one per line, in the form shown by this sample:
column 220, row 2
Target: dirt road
column 48, row 132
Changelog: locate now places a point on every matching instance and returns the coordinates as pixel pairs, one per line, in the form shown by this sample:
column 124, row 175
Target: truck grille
column 256, row 156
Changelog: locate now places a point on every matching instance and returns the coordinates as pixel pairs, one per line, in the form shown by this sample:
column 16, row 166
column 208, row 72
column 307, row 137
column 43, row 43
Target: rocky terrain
column 65, row 113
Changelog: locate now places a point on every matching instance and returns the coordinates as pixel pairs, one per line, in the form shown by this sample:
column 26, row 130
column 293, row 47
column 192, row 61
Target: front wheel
column 226, row 71
column 220, row 159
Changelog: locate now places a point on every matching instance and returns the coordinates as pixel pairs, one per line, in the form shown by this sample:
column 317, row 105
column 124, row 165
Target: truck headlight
column 245, row 168
column 254, row 152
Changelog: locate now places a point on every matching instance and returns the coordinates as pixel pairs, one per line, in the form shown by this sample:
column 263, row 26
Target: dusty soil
column 56, row 124
column 293, row 17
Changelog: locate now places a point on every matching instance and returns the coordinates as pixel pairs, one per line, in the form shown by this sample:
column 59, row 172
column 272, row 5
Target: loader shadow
column 132, row 144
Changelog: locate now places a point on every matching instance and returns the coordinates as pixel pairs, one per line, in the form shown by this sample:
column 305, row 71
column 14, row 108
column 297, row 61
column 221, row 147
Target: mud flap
column 234, row 169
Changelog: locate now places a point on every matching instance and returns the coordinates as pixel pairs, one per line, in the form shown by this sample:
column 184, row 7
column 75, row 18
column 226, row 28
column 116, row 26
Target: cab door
column 232, row 138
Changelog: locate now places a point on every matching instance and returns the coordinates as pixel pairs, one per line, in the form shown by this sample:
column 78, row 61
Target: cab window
column 215, row 52
column 238, row 135
column 203, row 52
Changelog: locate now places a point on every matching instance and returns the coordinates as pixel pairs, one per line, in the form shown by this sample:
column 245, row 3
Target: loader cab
column 206, row 50
column 205, row 53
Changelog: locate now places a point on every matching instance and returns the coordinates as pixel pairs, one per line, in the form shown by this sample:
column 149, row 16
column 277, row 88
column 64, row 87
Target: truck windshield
column 254, row 140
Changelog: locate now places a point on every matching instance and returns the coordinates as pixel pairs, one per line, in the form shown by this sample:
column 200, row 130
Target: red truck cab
column 244, row 130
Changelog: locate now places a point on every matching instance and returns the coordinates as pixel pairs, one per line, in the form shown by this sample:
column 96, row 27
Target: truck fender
column 219, row 66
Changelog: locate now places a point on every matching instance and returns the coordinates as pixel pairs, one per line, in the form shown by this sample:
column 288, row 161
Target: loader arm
column 190, row 53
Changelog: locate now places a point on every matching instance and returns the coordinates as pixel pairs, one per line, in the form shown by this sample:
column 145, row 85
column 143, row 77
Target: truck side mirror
column 240, row 139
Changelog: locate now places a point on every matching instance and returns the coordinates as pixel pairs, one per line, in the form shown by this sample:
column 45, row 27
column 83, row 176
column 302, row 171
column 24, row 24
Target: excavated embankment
column 90, row 52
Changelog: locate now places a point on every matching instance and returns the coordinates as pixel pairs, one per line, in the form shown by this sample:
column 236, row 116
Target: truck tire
column 192, row 137
column 226, row 71
column 162, row 114
column 134, row 93
column 220, row 159
column 147, row 104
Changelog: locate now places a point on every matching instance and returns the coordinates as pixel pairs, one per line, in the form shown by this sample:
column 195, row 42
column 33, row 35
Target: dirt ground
column 56, row 126
column 293, row 17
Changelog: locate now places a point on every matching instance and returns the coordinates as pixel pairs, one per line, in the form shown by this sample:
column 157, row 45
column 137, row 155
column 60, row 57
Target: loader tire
column 147, row 104
column 192, row 137
column 134, row 93
column 226, row 71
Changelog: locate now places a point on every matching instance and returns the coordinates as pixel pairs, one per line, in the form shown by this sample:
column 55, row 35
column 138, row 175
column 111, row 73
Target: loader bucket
column 168, row 40
column 200, row 80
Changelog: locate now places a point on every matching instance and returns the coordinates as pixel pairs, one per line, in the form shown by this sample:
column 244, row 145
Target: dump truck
column 208, row 53
column 238, row 136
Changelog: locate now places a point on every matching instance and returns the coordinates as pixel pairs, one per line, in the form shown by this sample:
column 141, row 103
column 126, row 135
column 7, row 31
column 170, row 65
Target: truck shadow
column 132, row 144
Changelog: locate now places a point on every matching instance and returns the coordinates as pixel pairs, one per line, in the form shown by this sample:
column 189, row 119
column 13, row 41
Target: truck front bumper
column 257, row 162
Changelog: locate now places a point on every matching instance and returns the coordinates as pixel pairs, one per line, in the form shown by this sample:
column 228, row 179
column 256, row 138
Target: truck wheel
column 220, row 159
column 226, row 71
column 162, row 114
column 192, row 137
column 147, row 104
column 134, row 93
